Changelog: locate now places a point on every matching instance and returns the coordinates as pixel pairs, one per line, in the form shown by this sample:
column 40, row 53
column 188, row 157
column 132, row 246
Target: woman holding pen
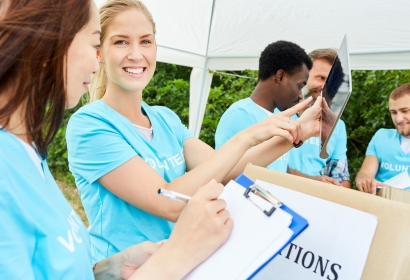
column 47, row 56
column 121, row 150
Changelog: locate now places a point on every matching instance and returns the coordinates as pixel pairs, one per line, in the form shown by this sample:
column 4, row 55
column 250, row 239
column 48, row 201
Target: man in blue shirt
column 305, row 161
column 388, row 153
column 283, row 72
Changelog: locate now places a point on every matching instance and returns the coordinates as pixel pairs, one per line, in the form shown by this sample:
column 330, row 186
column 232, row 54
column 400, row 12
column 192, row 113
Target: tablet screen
column 336, row 91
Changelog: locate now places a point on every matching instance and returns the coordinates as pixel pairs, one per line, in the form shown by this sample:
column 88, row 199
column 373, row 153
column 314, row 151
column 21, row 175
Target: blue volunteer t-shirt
column 385, row 145
column 306, row 158
column 41, row 237
column 99, row 139
column 239, row 116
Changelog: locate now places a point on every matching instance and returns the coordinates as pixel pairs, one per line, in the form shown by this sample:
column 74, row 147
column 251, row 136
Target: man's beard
column 403, row 132
column 314, row 92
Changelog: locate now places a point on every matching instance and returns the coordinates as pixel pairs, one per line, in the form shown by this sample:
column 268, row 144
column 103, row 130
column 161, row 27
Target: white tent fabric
column 230, row 34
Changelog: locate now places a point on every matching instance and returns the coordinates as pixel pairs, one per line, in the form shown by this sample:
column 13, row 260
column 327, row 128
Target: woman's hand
column 135, row 256
column 328, row 120
column 123, row 264
column 203, row 226
column 278, row 124
column 310, row 119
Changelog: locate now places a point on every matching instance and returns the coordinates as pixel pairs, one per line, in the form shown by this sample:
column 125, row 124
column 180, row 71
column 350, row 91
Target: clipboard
column 256, row 236
column 298, row 224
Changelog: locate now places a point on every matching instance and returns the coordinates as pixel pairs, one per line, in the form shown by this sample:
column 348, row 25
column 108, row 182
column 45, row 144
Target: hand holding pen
column 174, row 195
column 203, row 226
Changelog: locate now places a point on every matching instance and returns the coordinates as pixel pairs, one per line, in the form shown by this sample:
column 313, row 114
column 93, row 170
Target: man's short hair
column 400, row 91
column 282, row 55
column 328, row 55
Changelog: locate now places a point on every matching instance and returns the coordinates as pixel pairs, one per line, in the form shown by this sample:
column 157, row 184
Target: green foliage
column 57, row 152
column 170, row 87
column 229, row 90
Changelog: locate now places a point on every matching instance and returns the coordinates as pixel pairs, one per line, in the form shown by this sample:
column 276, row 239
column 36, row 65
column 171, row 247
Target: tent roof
column 230, row 34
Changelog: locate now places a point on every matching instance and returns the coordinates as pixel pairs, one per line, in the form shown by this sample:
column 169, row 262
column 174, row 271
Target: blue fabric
column 306, row 158
column 41, row 237
column 99, row 139
column 385, row 145
column 239, row 116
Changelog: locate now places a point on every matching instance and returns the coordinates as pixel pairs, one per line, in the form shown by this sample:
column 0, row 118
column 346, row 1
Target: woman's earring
column 101, row 61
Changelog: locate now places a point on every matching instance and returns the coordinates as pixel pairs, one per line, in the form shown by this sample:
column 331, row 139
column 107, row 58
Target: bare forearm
column 216, row 166
column 264, row 154
column 346, row 184
column 261, row 155
column 169, row 262
column 108, row 268
column 369, row 169
column 320, row 178
column 363, row 175
column 297, row 173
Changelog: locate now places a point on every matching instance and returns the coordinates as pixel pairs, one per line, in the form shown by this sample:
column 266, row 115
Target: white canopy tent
column 230, row 35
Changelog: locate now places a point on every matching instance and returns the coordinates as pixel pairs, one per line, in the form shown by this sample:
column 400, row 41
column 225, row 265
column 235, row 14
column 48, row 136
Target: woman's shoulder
column 158, row 109
column 94, row 108
column 14, row 158
column 89, row 119
column 9, row 144
column 161, row 111
column 165, row 117
column 97, row 112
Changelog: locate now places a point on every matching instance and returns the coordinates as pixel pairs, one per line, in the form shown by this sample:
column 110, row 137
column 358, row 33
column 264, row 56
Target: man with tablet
column 305, row 161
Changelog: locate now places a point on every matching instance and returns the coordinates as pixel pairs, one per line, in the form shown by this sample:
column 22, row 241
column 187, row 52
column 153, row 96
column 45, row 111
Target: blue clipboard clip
column 266, row 195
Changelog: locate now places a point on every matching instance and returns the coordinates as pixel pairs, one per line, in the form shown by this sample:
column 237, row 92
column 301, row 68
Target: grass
column 71, row 194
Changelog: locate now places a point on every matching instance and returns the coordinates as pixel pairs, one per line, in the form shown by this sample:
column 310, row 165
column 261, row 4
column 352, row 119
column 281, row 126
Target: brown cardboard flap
column 395, row 194
column 389, row 256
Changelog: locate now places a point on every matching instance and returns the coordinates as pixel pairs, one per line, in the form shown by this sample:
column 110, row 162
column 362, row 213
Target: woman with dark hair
column 47, row 56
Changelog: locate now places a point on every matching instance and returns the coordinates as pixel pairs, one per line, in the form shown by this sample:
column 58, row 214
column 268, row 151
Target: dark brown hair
column 400, row 91
column 34, row 39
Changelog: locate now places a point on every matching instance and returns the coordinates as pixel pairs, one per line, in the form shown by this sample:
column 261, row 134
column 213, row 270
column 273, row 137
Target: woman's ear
column 99, row 57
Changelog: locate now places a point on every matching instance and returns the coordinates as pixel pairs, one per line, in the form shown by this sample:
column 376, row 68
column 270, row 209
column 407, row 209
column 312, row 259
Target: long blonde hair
column 107, row 13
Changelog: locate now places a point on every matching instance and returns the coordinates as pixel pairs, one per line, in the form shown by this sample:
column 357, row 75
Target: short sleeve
column 95, row 147
column 371, row 148
column 232, row 121
column 341, row 144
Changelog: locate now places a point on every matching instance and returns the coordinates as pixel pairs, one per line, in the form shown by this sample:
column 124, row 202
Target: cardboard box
column 389, row 256
column 395, row 194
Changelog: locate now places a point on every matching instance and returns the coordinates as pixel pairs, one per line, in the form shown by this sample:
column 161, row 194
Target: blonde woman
column 121, row 150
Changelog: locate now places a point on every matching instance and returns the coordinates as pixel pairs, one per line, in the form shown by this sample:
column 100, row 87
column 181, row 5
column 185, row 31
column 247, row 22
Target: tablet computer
column 336, row 92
